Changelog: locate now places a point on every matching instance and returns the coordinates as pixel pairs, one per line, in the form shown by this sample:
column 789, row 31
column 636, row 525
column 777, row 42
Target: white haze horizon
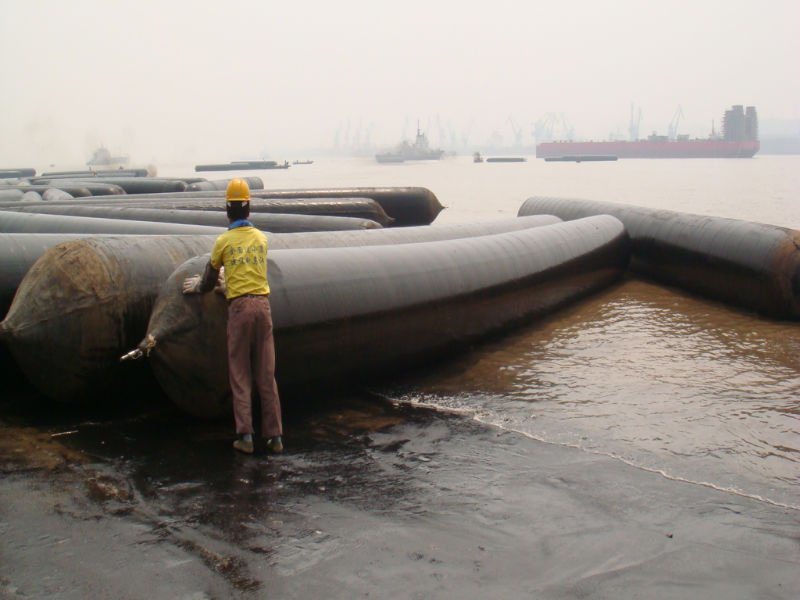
column 209, row 81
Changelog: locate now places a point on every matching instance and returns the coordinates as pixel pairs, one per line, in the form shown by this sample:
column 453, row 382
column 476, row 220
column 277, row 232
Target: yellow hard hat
column 238, row 191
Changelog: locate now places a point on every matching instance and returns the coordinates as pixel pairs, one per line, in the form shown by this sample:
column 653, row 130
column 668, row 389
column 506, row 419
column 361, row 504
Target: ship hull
column 398, row 158
column 651, row 149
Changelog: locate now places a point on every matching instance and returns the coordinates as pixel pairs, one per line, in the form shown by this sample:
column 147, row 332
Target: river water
column 650, row 375
column 640, row 443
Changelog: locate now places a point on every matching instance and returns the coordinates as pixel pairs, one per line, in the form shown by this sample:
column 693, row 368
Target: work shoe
column 243, row 446
column 275, row 444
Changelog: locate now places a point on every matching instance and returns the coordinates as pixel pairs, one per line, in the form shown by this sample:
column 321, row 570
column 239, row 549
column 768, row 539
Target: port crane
column 633, row 127
column 368, row 137
column 544, row 129
column 672, row 130
column 466, row 133
column 452, row 134
column 517, row 132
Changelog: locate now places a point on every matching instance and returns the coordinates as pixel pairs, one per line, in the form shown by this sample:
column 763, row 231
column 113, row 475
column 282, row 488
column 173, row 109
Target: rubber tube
column 100, row 173
column 81, row 302
column 77, row 190
column 203, row 186
column 12, row 195
column 14, row 172
column 274, row 222
column 96, row 186
column 190, row 180
column 74, row 295
column 56, row 195
column 358, row 208
column 18, row 252
column 132, row 185
column 254, row 183
column 410, row 235
column 751, row 265
column 31, row 196
column 18, row 222
column 382, row 237
column 345, row 315
column 406, row 205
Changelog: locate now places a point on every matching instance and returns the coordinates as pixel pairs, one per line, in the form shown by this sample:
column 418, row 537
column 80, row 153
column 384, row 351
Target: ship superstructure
column 101, row 157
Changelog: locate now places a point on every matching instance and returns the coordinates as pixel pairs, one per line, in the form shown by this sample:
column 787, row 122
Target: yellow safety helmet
column 238, row 191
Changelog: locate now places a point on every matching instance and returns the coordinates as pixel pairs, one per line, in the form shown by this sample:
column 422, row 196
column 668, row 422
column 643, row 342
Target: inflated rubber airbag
column 752, row 265
column 345, row 315
column 85, row 303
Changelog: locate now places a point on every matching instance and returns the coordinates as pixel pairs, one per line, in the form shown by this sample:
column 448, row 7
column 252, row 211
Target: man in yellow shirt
column 242, row 250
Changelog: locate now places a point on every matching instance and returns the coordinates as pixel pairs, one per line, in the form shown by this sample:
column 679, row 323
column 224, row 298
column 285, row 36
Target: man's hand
column 191, row 285
column 221, row 287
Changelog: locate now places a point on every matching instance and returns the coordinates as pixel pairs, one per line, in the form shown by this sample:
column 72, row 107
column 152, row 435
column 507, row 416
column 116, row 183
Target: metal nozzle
column 143, row 349
column 134, row 354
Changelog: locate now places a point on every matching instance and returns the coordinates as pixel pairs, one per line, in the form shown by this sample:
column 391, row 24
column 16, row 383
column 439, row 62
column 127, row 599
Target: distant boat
column 303, row 162
column 505, row 159
column 419, row 150
column 243, row 165
column 101, row 157
column 477, row 157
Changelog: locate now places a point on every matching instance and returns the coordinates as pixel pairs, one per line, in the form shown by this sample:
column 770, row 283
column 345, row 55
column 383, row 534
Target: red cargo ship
column 739, row 139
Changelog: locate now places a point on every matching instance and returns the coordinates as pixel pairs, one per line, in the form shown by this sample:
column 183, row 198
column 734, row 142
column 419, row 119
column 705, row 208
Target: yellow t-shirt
column 243, row 253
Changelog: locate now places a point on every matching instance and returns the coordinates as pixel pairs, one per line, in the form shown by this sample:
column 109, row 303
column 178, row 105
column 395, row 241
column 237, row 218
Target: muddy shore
column 372, row 499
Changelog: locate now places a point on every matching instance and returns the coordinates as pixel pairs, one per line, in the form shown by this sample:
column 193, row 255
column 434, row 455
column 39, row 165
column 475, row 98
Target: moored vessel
column 739, row 139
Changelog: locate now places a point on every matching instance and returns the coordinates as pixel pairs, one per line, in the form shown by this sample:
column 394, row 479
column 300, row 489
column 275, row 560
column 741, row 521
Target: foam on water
column 493, row 420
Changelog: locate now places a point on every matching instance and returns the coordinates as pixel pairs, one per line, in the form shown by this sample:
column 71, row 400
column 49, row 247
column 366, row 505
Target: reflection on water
column 646, row 373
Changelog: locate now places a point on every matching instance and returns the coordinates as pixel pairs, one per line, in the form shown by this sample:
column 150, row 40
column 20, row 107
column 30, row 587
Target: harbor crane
column 672, row 130
column 453, row 137
column 466, row 133
column 518, row 133
column 633, row 127
column 544, row 130
column 368, row 137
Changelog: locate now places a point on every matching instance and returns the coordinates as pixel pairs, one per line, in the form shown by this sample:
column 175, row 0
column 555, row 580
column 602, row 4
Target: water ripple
column 651, row 376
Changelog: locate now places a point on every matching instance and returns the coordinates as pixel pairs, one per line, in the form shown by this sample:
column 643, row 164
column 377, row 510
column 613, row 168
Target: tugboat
column 419, row 150
column 102, row 158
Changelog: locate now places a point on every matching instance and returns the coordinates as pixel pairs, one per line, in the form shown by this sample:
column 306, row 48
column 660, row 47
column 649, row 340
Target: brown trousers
column 251, row 360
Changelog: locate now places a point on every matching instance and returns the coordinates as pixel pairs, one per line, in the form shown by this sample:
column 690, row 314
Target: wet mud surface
column 371, row 499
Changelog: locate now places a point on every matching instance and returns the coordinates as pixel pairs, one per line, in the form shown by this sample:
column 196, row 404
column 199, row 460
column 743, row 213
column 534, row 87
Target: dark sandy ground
column 371, row 500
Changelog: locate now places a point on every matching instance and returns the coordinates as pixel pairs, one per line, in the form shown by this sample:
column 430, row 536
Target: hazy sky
column 226, row 79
